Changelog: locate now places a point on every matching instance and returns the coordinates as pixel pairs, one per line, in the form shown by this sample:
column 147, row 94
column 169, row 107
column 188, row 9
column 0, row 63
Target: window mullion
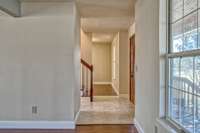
column 184, row 54
column 193, row 96
column 197, row 23
column 183, row 26
column 179, row 92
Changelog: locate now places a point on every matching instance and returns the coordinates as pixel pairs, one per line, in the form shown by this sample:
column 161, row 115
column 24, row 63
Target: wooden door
column 132, row 70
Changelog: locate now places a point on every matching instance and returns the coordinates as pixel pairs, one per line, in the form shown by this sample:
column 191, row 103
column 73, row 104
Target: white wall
column 86, row 46
column 101, row 60
column 121, row 81
column 39, row 57
column 124, row 62
column 151, row 47
column 77, row 66
column 131, row 30
column 147, row 63
column 115, row 45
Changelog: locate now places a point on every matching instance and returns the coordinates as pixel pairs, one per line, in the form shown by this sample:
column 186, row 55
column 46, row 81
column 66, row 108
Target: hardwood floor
column 107, row 129
column 84, row 129
column 104, row 90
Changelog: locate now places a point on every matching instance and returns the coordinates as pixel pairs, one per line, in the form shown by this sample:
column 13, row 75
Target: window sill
column 166, row 125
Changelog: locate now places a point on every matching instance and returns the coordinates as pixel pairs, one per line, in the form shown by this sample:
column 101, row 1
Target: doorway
column 132, row 70
column 110, row 84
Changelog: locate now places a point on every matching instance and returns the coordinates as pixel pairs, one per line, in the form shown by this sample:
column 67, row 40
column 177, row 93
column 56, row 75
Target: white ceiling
column 102, row 17
column 106, row 16
column 45, row 0
column 102, row 37
column 107, row 24
column 106, row 8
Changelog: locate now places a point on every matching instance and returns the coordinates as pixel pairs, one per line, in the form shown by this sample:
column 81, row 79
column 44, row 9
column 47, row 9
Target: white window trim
column 169, row 55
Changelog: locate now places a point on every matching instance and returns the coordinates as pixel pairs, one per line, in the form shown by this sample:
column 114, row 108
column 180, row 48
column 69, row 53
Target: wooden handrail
column 90, row 67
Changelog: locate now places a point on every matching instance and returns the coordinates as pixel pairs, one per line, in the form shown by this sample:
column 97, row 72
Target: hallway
column 104, row 90
column 106, row 110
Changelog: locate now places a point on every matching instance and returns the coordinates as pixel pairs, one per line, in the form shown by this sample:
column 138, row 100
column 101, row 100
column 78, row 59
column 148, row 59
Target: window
column 183, row 69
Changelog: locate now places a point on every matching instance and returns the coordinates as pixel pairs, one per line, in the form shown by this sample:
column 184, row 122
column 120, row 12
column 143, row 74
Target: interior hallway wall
column 37, row 55
column 101, row 60
column 120, row 49
column 77, row 65
column 86, row 46
column 123, row 62
column 147, row 63
column 115, row 63
column 131, row 30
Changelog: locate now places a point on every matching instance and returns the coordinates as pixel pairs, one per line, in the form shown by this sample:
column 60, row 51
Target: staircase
column 86, row 80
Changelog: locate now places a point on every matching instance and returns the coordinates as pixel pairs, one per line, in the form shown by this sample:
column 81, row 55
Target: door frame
column 132, row 38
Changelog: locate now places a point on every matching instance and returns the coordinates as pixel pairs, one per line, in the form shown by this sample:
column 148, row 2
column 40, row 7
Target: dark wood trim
column 132, row 38
column 130, row 68
column 91, row 84
column 90, row 67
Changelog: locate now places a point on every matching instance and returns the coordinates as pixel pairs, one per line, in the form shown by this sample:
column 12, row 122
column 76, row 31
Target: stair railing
column 87, row 68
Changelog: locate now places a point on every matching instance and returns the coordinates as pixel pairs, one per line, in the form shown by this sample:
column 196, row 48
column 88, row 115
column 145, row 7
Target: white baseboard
column 77, row 115
column 102, row 83
column 116, row 91
column 138, row 126
column 37, row 125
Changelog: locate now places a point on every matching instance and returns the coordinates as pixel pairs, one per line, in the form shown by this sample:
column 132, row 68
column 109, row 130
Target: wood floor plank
column 83, row 129
column 104, row 90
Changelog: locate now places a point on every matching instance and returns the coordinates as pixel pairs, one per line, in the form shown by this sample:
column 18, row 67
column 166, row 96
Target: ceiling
column 102, row 17
column 45, row 0
column 106, row 8
column 102, row 37
column 106, row 16
column 106, row 24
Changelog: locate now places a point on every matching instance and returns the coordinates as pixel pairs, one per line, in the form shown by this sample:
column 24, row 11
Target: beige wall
column 151, row 47
column 121, row 81
column 77, row 66
column 131, row 30
column 123, row 62
column 115, row 61
column 101, row 60
column 147, row 62
column 39, row 63
column 86, row 46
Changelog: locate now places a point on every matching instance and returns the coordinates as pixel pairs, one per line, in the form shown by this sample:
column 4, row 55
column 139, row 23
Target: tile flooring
column 106, row 110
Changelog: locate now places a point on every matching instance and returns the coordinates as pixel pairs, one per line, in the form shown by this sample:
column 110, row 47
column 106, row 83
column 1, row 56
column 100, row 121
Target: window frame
column 171, row 55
